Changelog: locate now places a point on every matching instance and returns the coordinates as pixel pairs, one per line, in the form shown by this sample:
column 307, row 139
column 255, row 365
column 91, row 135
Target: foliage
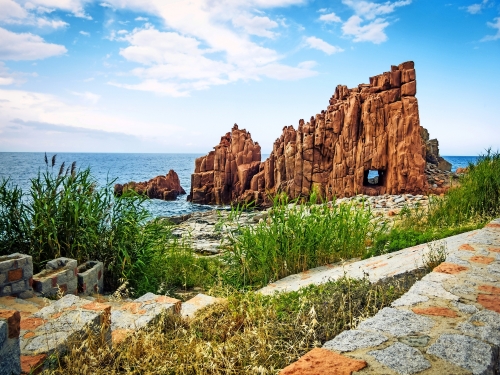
column 250, row 334
column 471, row 204
column 65, row 214
column 296, row 237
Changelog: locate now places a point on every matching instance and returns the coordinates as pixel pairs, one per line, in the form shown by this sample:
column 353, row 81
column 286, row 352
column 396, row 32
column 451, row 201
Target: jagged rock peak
column 367, row 141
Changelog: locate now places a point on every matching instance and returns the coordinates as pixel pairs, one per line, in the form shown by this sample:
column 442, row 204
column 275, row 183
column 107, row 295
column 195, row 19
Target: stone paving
column 32, row 329
column 447, row 323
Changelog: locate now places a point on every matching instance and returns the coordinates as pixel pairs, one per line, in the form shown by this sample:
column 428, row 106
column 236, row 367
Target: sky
column 173, row 76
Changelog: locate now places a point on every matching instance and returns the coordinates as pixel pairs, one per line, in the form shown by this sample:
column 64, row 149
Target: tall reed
column 296, row 237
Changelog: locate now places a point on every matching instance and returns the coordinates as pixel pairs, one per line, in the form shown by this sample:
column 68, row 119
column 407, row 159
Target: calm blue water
column 20, row 167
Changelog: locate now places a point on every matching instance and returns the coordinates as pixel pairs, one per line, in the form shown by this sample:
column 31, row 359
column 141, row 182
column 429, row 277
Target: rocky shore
column 206, row 231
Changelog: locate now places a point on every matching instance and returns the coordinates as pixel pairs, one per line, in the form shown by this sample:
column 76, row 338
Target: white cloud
column 256, row 25
column 141, row 19
column 476, row 8
column 6, row 77
column 26, row 46
column 371, row 32
column 321, row 45
column 88, row 96
column 11, row 10
column 14, row 13
column 370, row 10
column 84, row 33
column 216, row 54
column 54, row 24
column 494, row 25
column 28, row 106
column 374, row 30
column 330, row 17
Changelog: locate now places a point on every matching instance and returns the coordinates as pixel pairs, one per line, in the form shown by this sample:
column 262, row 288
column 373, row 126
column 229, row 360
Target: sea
column 21, row 167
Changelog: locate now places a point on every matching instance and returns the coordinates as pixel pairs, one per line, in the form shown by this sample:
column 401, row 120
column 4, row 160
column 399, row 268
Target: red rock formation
column 224, row 175
column 372, row 127
column 166, row 187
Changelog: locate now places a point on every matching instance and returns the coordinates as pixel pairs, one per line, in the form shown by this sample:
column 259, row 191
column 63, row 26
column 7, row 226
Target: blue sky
column 175, row 75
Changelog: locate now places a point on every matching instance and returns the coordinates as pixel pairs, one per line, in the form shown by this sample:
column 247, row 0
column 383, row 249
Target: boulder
column 166, row 187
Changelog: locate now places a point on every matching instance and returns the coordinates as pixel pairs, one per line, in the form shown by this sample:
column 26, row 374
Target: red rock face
column 166, row 187
column 225, row 175
column 372, row 127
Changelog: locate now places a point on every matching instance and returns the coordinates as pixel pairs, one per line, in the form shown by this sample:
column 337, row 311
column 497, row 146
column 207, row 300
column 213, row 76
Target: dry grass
column 250, row 334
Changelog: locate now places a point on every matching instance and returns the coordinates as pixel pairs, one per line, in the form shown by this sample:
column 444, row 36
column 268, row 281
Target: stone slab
column 397, row 322
column 195, row 304
column 467, row 352
column 325, row 362
column 403, row 359
column 348, row 341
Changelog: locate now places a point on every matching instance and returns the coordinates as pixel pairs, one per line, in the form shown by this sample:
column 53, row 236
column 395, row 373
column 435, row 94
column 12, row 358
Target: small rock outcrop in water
column 373, row 128
column 166, row 187
column 432, row 152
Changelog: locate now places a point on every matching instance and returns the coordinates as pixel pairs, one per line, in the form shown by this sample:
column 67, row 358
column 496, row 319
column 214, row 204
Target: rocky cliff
column 166, row 187
column 367, row 141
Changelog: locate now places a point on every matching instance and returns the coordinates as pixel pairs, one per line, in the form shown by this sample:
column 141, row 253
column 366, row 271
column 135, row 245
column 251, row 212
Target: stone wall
column 373, row 127
column 60, row 275
column 16, row 272
column 9, row 342
column 90, row 278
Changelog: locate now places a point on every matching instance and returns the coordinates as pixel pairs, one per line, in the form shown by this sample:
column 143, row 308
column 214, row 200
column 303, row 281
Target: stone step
column 447, row 323
column 195, row 304
column 127, row 317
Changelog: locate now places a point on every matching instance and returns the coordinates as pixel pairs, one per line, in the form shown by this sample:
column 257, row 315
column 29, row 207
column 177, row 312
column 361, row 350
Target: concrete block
column 90, row 278
column 60, row 273
column 9, row 342
column 141, row 313
column 198, row 302
column 66, row 321
column 16, row 271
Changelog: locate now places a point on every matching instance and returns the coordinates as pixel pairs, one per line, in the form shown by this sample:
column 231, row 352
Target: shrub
column 66, row 214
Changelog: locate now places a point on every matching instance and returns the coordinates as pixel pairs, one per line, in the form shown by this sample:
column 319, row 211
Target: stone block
column 397, row 322
column 9, row 342
column 192, row 306
column 484, row 325
column 90, row 278
column 409, row 89
column 467, row 352
column 321, row 361
column 401, row 358
column 348, row 341
column 60, row 274
column 64, row 322
column 32, row 364
column 16, row 271
column 141, row 313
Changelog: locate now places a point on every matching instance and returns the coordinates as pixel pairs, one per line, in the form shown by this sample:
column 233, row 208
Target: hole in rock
column 373, row 177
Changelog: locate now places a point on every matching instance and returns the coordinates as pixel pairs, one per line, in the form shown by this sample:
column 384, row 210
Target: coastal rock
column 166, row 187
column 373, row 128
column 432, row 152
column 226, row 174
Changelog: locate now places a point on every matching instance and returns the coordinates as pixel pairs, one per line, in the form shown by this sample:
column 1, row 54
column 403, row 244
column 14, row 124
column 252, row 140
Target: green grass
column 66, row 214
column 296, row 237
column 467, row 207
